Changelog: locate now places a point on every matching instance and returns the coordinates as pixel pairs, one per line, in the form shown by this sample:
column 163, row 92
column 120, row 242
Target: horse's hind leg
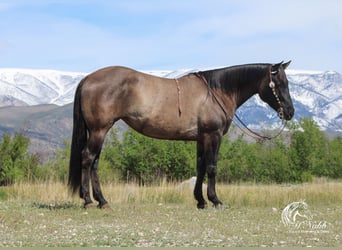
column 90, row 155
column 97, row 192
column 86, row 165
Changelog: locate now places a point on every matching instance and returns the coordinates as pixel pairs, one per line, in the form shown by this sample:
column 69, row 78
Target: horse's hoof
column 202, row 206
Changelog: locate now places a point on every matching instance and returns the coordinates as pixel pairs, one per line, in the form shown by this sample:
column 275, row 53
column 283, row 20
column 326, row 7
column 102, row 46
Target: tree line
column 303, row 153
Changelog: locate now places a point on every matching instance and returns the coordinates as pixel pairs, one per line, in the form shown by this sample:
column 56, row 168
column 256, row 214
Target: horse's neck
column 237, row 84
column 245, row 87
column 243, row 95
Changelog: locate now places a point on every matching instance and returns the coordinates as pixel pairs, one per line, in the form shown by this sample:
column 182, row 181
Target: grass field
column 45, row 215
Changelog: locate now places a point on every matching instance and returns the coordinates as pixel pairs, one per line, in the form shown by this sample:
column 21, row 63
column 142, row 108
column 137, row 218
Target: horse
column 196, row 107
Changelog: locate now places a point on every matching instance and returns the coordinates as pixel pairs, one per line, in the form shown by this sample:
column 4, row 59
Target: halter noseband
column 273, row 88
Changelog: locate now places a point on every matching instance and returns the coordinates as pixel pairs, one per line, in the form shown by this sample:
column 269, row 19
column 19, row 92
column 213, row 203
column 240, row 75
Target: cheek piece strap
column 273, row 88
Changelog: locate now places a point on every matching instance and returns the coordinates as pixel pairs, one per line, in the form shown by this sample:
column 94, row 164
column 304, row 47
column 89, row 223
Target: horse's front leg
column 212, row 145
column 198, row 193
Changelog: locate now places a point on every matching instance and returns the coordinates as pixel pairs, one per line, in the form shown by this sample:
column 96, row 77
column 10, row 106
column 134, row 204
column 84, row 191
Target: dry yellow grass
column 244, row 195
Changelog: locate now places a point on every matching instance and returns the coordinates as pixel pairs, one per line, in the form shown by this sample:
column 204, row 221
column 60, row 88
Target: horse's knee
column 211, row 171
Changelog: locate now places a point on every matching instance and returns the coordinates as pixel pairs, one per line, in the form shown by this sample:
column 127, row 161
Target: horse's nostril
column 291, row 113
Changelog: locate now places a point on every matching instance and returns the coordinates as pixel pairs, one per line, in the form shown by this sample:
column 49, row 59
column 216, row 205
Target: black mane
column 230, row 78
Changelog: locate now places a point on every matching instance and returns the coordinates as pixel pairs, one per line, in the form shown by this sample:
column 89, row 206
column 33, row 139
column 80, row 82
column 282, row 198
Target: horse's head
column 275, row 91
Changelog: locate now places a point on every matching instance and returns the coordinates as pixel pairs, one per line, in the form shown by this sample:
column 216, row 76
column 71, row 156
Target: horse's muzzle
column 287, row 113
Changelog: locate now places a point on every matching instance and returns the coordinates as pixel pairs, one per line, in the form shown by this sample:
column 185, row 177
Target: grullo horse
column 196, row 107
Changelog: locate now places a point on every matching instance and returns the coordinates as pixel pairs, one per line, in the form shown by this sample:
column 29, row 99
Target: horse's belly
column 170, row 129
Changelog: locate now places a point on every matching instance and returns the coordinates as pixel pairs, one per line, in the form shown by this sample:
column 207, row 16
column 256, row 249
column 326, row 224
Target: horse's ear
column 285, row 65
column 275, row 67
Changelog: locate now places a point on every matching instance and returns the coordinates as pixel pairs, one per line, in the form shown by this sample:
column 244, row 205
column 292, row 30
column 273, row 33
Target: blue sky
column 86, row 35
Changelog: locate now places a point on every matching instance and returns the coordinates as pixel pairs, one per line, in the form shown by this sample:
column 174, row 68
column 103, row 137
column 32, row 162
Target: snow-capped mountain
column 35, row 87
column 315, row 94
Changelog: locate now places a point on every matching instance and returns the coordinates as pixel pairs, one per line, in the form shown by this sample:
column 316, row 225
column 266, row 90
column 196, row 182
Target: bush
column 148, row 160
column 333, row 159
column 304, row 154
column 308, row 153
column 16, row 163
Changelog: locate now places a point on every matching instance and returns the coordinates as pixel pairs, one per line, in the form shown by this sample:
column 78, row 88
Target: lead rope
column 251, row 133
column 256, row 135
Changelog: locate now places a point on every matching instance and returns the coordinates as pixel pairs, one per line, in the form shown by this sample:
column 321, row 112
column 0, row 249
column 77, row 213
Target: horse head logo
column 295, row 210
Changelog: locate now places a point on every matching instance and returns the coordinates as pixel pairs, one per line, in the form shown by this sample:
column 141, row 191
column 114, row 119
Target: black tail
column 79, row 140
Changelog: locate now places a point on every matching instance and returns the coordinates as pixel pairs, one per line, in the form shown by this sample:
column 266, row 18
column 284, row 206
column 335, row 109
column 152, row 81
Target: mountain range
column 39, row 102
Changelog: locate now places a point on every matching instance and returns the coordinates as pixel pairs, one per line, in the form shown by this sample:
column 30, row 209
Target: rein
column 251, row 133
